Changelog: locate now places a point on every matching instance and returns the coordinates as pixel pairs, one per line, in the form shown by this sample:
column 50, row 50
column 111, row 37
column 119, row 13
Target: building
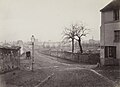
column 110, row 34
column 21, row 44
column 9, row 58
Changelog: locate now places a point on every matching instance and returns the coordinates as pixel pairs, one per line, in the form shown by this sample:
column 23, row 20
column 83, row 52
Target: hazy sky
column 46, row 19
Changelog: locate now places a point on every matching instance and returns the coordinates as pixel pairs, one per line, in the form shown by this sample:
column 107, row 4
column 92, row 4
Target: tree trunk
column 72, row 45
column 79, row 41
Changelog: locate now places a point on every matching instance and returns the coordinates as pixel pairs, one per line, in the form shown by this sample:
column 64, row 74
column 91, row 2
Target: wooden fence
column 9, row 58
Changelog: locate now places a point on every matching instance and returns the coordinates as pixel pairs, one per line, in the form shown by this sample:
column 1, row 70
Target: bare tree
column 69, row 35
column 80, row 31
column 76, row 32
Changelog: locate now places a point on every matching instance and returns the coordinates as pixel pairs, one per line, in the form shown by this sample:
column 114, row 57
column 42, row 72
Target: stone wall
column 77, row 57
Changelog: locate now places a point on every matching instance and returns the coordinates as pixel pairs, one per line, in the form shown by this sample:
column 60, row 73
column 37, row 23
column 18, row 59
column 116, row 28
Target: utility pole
column 32, row 40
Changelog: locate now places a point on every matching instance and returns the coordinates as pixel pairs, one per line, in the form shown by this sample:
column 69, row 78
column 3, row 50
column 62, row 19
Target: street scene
column 51, row 72
column 52, row 44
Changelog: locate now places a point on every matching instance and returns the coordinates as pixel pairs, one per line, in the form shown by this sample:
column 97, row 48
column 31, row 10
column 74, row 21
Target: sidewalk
column 23, row 78
column 111, row 72
column 3, row 82
column 77, row 78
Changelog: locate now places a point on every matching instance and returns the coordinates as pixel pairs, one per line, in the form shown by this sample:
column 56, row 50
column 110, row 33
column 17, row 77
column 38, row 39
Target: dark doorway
column 28, row 55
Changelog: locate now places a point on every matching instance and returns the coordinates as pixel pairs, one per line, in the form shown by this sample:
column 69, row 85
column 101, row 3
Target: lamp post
column 32, row 40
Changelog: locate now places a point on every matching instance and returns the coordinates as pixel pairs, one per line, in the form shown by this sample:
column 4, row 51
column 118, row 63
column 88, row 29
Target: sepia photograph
column 59, row 43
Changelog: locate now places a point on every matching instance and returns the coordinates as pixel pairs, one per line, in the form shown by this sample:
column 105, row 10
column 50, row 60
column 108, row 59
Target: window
column 110, row 51
column 117, row 35
column 116, row 14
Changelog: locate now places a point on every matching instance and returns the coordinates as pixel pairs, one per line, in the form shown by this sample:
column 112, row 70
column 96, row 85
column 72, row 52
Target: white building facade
column 110, row 34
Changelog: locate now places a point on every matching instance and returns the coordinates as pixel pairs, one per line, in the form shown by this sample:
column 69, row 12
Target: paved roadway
column 69, row 74
column 66, row 74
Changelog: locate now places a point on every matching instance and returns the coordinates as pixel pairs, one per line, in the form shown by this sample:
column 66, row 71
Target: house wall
column 108, row 25
column 108, row 16
column 109, row 37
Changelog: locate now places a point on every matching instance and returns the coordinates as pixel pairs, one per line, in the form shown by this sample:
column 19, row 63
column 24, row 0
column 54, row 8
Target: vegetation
column 75, row 32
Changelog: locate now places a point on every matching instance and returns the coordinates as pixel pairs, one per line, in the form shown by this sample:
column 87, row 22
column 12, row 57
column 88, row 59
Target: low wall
column 111, row 61
column 77, row 57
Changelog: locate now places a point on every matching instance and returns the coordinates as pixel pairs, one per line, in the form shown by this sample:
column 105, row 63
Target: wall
column 107, row 30
column 76, row 57
column 107, row 35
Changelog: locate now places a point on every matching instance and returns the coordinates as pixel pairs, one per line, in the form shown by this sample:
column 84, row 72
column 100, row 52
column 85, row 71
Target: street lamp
column 32, row 40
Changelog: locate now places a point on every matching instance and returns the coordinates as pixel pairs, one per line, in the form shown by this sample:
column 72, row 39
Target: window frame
column 116, row 35
column 110, row 51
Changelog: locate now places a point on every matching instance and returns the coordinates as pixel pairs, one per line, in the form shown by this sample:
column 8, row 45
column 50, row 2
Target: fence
column 91, row 58
column 9, row 58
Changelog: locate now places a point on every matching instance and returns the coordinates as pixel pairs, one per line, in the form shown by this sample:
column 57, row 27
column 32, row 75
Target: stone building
column 110, row 33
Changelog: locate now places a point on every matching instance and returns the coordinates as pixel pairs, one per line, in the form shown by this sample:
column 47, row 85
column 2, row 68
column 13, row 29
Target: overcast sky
column 46, row 19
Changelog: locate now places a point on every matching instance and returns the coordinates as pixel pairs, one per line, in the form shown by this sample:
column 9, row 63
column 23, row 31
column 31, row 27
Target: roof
column 10, row 48
column 115, row 4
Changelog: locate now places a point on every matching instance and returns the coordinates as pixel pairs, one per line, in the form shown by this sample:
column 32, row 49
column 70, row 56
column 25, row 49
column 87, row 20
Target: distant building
column 91, row 41
column 110, row 33
column 20, row 43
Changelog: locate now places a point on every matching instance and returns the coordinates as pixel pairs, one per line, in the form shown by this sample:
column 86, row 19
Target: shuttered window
column 116, row 14
column 117, row 35
column 110, row 51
